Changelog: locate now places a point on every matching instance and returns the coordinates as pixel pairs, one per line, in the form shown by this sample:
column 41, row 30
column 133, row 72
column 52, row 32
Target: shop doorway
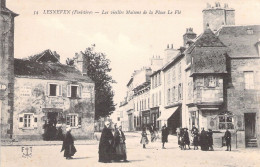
column 50, row 130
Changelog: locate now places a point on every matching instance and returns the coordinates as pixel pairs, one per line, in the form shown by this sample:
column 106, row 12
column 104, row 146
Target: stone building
column 223, row 80
column 49, row 94
column 6, row 70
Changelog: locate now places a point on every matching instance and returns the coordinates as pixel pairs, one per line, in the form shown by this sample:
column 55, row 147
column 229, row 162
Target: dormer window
column 250, row 31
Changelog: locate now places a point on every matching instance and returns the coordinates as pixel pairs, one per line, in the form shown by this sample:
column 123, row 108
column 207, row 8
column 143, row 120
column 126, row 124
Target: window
column 27, row 121
column 160, row 98
column 212, row 81
column 173, row 94
column 179, row 70
column 148, row 103
column 168, row 96
column 74, row 91
column 54, row 89
column 73, row 120
column 156, row 99
column 249, row 79
column 173, row 75
column 180, row 91
column 226, row 121
column 153, row 100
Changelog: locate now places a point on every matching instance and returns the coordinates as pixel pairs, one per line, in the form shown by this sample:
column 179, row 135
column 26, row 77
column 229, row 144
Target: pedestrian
column 59, row 134
column 227, row 138
column 105, row 144
column 195, row 134
column 186, row 138
column 68, row 145
column 204, row 140
column 119, row 144
column 165, row 133
column 152, row 133
column 210, row 140
column 144, row 139
column 181, row 139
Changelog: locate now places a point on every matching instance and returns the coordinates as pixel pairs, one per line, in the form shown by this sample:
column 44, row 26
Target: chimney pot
column 172, row 46
column 167, row 46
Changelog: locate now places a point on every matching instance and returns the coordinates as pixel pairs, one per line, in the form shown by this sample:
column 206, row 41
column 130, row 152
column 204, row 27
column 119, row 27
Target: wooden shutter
column 239, row 122
column 59, row 91
column 79, row 121
column 79, row 91
column 20, row 120
column 47, row 89
column 68, row 120
column 68, row 90
column 212, row 122
column 34, row 121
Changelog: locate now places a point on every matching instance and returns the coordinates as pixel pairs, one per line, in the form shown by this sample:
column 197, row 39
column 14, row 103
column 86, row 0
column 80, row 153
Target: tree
column 98, row 68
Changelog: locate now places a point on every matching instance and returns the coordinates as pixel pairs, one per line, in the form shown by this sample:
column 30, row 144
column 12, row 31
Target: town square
column 170, row 83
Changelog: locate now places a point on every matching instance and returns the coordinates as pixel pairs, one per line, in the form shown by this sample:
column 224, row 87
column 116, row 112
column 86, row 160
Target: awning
column 165, row 115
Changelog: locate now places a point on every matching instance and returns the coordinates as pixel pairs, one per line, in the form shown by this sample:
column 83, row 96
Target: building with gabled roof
column 51, row 96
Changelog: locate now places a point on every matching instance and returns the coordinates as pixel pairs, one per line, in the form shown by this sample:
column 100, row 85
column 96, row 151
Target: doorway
column 50, row 130
column 250, row 120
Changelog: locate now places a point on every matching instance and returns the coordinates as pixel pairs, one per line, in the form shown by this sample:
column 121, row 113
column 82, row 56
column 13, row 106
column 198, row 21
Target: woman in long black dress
column 68, row 145
column 165, row 133
column 105, row 144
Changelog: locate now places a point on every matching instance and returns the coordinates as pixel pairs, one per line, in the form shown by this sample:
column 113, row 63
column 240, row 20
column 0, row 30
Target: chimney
column 3, row 3
column 188, row 36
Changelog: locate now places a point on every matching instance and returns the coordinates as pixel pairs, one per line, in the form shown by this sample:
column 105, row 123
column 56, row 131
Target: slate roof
column 41, row 70
column 37, row 57
column 239, row 40
column 206, row 39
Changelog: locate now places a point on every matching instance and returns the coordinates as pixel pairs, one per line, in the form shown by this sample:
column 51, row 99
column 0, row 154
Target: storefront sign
column 25, row 91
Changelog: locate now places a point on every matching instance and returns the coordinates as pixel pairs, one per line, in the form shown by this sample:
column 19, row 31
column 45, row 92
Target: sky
column 128, row 40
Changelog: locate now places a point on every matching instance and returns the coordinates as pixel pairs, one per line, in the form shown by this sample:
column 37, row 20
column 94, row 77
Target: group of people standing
column 112, row 147
column 204, row 139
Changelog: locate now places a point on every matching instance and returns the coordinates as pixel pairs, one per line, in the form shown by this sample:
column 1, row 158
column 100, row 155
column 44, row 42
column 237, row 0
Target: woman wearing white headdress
column 68, row 145
column 119, row 144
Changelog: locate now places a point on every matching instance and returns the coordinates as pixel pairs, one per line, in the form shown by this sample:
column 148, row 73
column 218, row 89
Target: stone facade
column 31, row 97
column 6, row 70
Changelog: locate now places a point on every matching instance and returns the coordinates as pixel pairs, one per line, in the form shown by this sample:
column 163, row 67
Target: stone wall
column 31, row 97
column 239, row 99
column 6, row 72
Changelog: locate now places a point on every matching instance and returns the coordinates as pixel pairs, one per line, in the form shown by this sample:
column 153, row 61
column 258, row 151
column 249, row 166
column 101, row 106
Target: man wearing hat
column 68, row 145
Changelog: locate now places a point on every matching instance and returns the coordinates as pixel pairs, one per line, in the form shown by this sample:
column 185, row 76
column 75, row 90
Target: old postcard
column 130, row 83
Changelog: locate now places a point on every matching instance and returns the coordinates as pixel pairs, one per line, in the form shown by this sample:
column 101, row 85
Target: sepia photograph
column 129, row 83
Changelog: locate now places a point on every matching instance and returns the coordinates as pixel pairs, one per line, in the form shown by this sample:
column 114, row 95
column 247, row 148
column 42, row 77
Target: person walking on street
column 105, row 144
column 186, row 138
column 119, row 144
column 227, row 138
column 165, row 133
column 210, row 140
column 68, row 145
column 144, row 139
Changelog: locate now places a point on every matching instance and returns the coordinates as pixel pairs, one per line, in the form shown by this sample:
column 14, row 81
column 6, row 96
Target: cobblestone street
column 87, row 155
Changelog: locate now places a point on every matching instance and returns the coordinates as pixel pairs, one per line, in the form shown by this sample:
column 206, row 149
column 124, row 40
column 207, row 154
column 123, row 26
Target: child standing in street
column 144, row 139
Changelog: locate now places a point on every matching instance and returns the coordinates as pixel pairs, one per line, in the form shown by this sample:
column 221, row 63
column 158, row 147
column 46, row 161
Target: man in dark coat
column 227, row 137
column 204, row 140
column 105, row 144
column 186, row 138
column 68, row 145
column 119, row 144
column 210, row 140
column 165, row 133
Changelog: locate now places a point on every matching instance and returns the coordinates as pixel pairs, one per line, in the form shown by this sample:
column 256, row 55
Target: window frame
column 226, row 122
column 77, row 120
column 58, row 89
